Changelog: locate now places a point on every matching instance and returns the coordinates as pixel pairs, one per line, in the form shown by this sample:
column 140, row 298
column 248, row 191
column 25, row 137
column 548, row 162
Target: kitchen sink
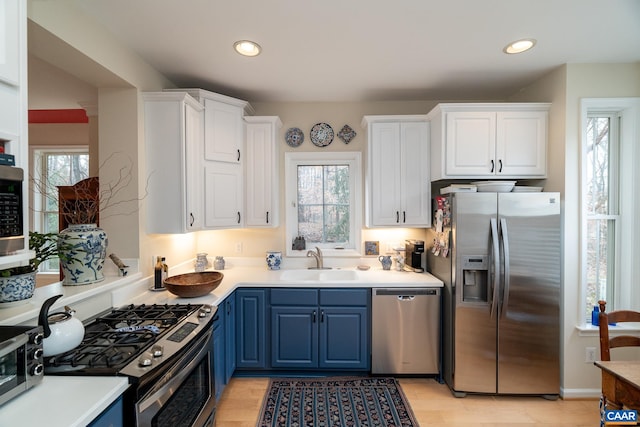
column 323, row 275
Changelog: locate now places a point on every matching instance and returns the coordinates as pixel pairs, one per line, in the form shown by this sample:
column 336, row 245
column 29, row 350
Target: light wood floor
column 433, row 406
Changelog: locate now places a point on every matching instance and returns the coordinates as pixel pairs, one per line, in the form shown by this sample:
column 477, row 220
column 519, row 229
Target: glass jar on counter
column 201, row 262
column 218, row 263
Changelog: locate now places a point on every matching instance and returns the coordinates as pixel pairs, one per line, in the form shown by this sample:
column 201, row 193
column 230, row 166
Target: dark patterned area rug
column 335, row 402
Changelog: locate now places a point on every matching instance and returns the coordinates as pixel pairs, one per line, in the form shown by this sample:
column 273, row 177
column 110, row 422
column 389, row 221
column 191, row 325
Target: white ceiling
column 369, row 50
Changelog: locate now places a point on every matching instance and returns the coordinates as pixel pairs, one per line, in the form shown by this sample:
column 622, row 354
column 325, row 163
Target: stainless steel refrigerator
column 501, row 300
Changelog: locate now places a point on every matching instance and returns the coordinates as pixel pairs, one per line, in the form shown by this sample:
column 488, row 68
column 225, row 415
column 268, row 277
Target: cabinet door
column 384, row 173
column 173, row 140
column 230, row 337
column 470, row 143
column 223, row 132
column 344, row 339
column 113, row 416
column 521, row 143
column 222, row 195
column 251, row 329
column 218, row 354
column 193, row 168
column 262, row 176
column 294, row 337
column 415, row 186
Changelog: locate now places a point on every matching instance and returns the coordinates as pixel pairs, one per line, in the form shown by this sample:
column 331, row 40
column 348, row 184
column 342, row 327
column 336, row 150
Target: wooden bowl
column 193, row 285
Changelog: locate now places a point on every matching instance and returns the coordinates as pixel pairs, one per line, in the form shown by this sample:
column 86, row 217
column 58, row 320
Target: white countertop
column 76, row 400
column 252, row 277
column 62, row 401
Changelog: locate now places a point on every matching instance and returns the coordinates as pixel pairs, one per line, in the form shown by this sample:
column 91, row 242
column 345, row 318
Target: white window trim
column 627, row 293
column 354, row 160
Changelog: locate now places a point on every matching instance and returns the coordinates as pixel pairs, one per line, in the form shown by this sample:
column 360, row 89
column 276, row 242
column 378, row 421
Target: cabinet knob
column 397, row 217
column 191, row 219
column 492, row 166
column 267, row 217
column 238, row 217
column 238, row 154
column 500, row 165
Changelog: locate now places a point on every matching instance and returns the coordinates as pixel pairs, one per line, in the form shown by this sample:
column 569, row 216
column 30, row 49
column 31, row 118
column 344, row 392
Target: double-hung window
column 53, row 167
column 610, row 202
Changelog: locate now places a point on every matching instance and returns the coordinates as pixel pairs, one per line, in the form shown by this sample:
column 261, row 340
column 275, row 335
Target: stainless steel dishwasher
column 405, row 331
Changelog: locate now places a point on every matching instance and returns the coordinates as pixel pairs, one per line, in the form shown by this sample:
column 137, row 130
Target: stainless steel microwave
column 11, row 210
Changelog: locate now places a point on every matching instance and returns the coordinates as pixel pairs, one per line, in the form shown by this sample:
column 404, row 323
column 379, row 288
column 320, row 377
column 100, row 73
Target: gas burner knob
column 157, row 350
column 204, row 311
column 37, row 369
column 145, row 360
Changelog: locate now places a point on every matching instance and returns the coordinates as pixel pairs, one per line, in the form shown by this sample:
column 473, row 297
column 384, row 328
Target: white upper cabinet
column 398, row 188
column 262, row 172
column 476, row 141
column 223, row 125
column 173, row 141
column 222, row 158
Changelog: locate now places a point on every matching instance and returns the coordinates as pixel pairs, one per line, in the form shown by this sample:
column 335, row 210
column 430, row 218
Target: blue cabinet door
column 294, row 337
column 344, row 338
column 251, row 329
column 230, row 337
column 110, row 417
column 218, row 353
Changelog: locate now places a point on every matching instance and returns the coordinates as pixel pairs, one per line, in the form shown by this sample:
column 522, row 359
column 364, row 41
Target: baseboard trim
column 580, row 393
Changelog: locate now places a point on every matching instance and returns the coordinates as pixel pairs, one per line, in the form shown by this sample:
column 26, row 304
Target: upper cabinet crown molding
column 201, row 95
column 489, row 140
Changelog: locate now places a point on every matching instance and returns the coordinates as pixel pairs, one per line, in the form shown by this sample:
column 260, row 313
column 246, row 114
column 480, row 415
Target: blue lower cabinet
column 330, row 335
column 218, row 354
column 251, row 329
column 294, row 337
column 344, row 338
column 230, row 337
column 110, row 417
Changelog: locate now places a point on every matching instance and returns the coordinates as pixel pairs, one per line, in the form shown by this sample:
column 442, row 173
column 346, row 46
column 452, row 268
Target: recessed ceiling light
column 519, row 46
column 247, row 48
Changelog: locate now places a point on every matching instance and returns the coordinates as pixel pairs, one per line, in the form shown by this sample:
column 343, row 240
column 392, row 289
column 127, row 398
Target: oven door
column 184, row 395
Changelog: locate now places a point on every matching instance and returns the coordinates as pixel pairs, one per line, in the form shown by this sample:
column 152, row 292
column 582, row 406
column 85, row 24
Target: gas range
column 132, row 340
column 166, row 351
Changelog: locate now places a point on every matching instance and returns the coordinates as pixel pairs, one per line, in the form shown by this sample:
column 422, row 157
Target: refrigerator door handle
column 496, row 267
column 504, row 239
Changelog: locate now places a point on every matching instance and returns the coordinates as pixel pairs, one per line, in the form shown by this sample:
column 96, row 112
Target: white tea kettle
column 62, row 331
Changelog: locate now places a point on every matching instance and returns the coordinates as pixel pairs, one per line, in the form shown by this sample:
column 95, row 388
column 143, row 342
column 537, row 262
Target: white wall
column 565, row 87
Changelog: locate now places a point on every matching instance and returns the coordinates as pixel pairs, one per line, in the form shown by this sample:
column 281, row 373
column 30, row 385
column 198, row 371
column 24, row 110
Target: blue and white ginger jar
column 82, row 264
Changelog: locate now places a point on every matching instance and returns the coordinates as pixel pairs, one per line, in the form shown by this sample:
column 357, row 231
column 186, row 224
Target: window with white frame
column 609, row 203
column 53, row 167
column 323, row 203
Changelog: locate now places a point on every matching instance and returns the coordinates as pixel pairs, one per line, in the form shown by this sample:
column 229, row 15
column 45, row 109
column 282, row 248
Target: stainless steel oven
column 184, row 396
column 166, row 351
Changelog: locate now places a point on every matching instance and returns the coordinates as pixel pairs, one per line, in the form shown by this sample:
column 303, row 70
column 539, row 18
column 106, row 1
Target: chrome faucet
column 317, row 256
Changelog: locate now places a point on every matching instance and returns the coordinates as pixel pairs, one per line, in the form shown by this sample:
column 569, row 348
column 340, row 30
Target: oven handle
column 177, row 373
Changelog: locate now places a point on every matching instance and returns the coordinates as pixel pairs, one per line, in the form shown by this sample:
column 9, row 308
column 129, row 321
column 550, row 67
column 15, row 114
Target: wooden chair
column 607, row 343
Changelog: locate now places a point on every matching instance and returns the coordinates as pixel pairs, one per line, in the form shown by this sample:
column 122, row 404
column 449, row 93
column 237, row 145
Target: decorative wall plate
column 321, row 134
column 294, row 137
column 346, row 134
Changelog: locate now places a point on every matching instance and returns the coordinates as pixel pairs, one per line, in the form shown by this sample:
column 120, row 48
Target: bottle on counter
column 157, row 274
column 218, row 263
